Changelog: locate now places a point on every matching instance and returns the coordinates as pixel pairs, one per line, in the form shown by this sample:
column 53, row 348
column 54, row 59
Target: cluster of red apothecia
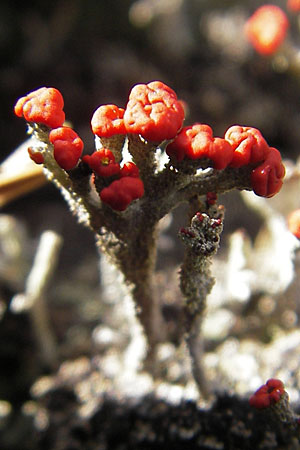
column 154, row 113
column 267, row 394
column 273, row 399
column 268, row 26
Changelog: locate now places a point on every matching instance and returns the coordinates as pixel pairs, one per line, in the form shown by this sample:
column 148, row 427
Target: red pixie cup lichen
column 35, row 156
column 120, row 193
column 267, row 28
column 248, row 145
column 108, row 121
column 154, row 112
column 102, row 163
column 220, row 153
column 267, row 178
column 211, row 198
column 130, row 170
column 250, row 148
column 67, row 147
column 267, row 394
column 197, row 141
column 293, row 5
column 45, row 106
column 293, row 222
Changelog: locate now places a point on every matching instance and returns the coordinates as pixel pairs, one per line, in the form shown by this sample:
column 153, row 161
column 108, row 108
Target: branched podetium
column 147, row 163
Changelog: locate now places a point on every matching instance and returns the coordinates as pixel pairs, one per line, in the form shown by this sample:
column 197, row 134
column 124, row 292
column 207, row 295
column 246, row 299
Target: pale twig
column 19, row 175
column 33, row 299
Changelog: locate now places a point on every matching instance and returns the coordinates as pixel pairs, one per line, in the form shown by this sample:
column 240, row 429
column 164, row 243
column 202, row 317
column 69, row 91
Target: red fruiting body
column 67, row 147
column 108, row 120
column 268, row 394
column 154, row 112
column 220, row 153
column 267, row 178
column 216, row 223
column 130, row 170
column 293, row 221
column 197, row 141
column 267, row 28
column 293, row 5
column 249, row 148
column 45, row 105
column 248, row 144
column 187, row 232
column 211, row 198
column 120, row 193
column 102, row 162
column 36, row 156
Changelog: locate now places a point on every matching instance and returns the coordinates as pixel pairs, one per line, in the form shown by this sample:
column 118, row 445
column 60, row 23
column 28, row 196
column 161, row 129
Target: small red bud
column 67, row 147
column 211, row 198
column 120, row 193
column 187, row 232
column 102, row 162
column 216, row 223
column 267, row 394
column 36, row 156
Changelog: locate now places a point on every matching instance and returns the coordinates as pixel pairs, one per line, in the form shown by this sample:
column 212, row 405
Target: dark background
column 94, row 52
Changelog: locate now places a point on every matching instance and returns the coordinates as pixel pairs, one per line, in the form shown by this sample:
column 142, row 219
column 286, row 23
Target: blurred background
column 94, row 51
